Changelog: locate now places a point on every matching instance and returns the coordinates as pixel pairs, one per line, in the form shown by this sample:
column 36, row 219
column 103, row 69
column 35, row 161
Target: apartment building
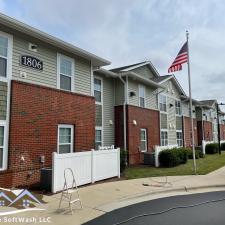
column 46, row 100
column 55, row 97
column 154, row 109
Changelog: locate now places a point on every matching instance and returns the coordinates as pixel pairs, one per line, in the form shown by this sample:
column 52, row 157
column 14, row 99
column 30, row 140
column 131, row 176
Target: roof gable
column 138, row 68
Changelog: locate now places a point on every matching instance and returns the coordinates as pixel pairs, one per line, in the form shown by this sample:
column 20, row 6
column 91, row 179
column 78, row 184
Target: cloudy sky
column 130, row 31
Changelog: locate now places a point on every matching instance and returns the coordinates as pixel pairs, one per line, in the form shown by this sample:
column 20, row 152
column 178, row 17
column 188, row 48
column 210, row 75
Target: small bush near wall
column 123, row 155
column 211, row 148
column 222, row 146
column 173, row 157
column 198, row 154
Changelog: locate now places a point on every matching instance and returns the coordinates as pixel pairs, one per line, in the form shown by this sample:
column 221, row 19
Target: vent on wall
column 32, row 47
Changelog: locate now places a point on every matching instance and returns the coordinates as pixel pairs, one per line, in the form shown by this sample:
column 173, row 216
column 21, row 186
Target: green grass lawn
column 204, row 166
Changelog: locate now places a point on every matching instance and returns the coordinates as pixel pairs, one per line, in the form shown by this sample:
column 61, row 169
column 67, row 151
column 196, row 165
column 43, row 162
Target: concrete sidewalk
column 101, row 198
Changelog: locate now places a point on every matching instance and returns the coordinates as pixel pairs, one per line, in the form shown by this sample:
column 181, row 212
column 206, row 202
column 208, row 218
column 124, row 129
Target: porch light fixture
column 135, row 122
column 110, row 122
column 171, row 105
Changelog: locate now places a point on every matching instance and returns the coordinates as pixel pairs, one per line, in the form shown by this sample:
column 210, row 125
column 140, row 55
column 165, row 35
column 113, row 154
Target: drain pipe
column 124, row 119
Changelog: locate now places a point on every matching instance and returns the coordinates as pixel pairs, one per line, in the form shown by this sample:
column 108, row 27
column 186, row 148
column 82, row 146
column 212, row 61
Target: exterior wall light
column 135, row 122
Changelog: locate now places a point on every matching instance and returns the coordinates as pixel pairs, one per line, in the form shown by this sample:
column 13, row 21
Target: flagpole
column 191, row 112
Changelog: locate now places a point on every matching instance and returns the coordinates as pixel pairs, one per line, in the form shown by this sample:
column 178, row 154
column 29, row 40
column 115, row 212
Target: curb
column 130, row 200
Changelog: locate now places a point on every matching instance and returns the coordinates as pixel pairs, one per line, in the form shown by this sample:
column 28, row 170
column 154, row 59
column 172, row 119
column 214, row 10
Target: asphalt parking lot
column 206, row 208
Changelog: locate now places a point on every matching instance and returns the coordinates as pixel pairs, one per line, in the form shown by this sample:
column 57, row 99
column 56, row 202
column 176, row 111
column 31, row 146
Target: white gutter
column 124, row 118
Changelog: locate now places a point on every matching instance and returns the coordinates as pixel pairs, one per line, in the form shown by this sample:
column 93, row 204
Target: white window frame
column 178, row 108
column 163, row 142
column 99, row 129
column 139, row 95
column 180, row 141
column 5, row 155
column 7, row 79
column 146, row 140
column 8, row 58
column 59, row 74
column 164, row 96
column 98, row 78
column 72, row 137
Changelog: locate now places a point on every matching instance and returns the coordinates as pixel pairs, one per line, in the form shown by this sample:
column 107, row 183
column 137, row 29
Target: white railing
column 88, row 167
column 204, row 143
column 158, row 149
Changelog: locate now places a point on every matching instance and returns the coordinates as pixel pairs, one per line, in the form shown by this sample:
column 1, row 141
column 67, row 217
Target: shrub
column 201, row 155
column 222, row 146
column 198, row 154
column 123, row 155
column 211, row 148
column 173, row 157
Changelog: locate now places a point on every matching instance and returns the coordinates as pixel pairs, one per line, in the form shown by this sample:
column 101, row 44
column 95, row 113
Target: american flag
column 182, row 57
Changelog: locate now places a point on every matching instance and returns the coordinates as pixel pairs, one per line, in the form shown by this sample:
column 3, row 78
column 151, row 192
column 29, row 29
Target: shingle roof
column 126, row 67
column 161, row 78
column 208, row 102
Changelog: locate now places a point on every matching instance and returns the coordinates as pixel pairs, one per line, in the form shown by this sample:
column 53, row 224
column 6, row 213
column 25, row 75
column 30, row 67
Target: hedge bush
column 211, row 148
column 222, row 146
column 198, row 154
column 173, row 157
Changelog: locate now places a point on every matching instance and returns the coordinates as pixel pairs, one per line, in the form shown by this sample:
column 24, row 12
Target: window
column 98, row 137
column 65, row 73
column 3, row 56
column 143, row 140
column 2, row 146
column 179, row 139
column 141, row 96
column 98, row 90
column 164, row 138
column 65, row 139
column 178, row 107
column 162, row 103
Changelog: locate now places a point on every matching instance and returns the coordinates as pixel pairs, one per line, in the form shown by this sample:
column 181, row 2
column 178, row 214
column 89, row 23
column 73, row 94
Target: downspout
column 203, row 131
column 124, row 119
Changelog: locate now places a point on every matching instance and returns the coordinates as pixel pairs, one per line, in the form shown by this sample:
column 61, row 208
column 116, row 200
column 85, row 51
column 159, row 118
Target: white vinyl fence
column 158, row 149
column 204, row 143
column 88, row 167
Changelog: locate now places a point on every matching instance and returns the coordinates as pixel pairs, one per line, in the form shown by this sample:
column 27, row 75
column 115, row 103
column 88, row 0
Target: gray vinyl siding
column 3, row 100
column 144, row 71
column 82, row 76
column 163, row 120
column 179, row 122
column 48, row 76
column 170, row 89
column 199, row 114
column 171, row 119
column 119, row 92
column 150, row 95
column 185, row 109
column 108, row 111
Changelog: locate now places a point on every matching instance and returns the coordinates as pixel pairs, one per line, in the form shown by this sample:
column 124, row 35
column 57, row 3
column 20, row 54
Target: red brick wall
column 119, row 132
column 187, row 132
column 145, row 118
column 222, row 131
column 35, row 114
column 207, row 131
